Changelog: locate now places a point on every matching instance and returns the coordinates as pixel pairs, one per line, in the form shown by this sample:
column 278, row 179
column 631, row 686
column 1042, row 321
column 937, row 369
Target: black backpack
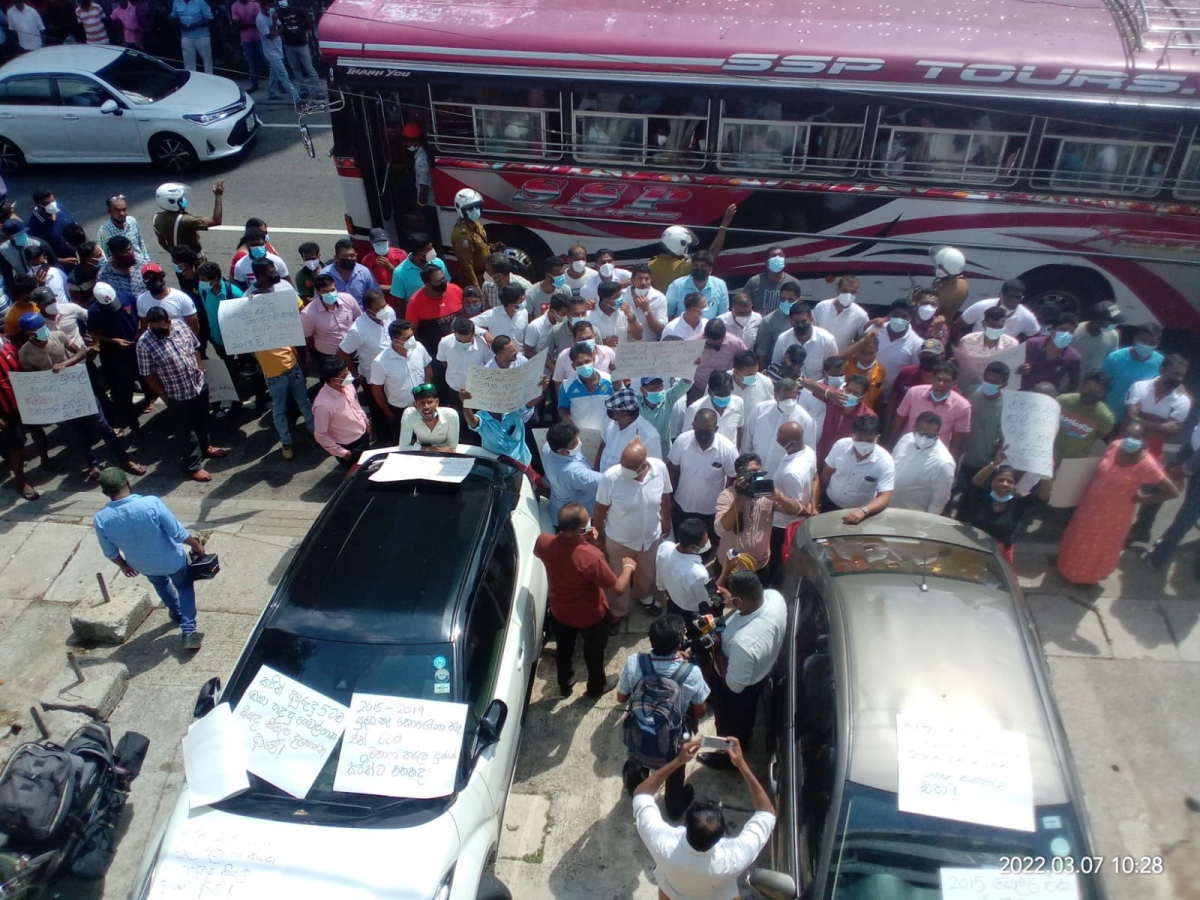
column 37, row 787
column 657, row 718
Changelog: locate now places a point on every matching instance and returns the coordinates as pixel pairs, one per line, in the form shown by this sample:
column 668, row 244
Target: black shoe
column 715, row 760
column 610, row 684
column 633, row 773
column 652, row 609
column 1137, row 536
column 174, row 617
column 687, row 795
column 566, row 689
column 191, row 642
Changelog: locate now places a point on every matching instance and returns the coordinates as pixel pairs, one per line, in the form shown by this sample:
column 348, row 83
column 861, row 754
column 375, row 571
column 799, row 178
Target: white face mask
column 578, row 266
column 926, row 311
column 386, row 315
column 430, row 255
column 993, row 334
column 641, row 292
column 312, row 264
column 607, row 270
column 474, row 214
column 923, row 441
column 862, row 448
column 488, row 279
column 628, row 474
column 845, row 299
column 661, row 140
column 411, row 344
column 51, row 208
column 786, row 406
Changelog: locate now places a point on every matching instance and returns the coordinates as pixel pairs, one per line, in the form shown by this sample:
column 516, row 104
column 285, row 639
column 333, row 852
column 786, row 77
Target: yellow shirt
column 12, row 318
column 470, row 244
column 952, row 294
column 876, row 374
column 275, row 362
column 666, row 268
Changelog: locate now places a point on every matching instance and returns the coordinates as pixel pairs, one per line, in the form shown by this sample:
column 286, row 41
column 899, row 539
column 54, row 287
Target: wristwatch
column 865, row 511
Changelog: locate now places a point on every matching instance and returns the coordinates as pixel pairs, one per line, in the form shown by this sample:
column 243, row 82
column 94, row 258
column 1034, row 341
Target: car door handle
column 70, row 116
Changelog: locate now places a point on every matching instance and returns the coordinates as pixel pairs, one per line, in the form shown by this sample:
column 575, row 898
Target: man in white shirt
column 27, row 25
column 752, row 386
column 680, row 573
column 899, row 344
column 764, row 424
column 256, row 248
column 1020, row 322
column 797, row 488
column 509, row 318
column 701, row 464
column 841, row 316
column 367, row 336
column 460, row 350
column 859, row 475
column 609, row 273
column 625, row 424
column 633, row 513
column 690, row 325
column 817, row 342
column 179, row 306
column 698, row 860
column 924, row 468
column 537, row 332
column 579, row 275
column 613, row 319
column 741, row 320
column 397, row 370
column 649, row 305
column 743, row 661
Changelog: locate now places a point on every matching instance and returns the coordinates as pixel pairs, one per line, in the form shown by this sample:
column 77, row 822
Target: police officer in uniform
column 469, row 239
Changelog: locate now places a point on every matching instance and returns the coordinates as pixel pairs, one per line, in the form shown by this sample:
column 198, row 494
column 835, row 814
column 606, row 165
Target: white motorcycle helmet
column 172, row 196
column 678, row 239
column 948, row 262
column 465, row 199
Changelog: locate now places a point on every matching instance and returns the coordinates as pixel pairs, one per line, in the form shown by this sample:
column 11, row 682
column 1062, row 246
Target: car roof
column 954, row 651
column 902, row 523
column 395, row 562
column 63, row 58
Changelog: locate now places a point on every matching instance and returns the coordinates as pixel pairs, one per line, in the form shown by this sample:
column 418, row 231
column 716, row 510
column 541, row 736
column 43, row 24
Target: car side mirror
column 773, row 885
column 110, row 108
column 206, row 700
column 492, row 722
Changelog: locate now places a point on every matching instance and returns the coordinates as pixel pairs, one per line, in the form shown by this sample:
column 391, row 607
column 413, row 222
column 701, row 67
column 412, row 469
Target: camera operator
column 797, row 489
column 679, row 570
column 743, row 659
column 744, row 513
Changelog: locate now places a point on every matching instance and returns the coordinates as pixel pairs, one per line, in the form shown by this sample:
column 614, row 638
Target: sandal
column 93, row 476
column 29, row 493
column 216, row 452
column 135, row 468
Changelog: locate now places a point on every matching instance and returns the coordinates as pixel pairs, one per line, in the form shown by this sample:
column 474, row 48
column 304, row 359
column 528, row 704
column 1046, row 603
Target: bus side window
column 771, row 135
column 1188, row 185
column 497, row 121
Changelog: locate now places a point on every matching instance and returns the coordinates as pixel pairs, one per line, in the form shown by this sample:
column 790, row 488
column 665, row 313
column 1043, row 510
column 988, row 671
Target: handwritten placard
column 991, row 884
column 288, row 730
column 1071, row 481
column 260, row 322
column 590, row 412
column 957, row 771
column 48, row 397
column 214, row 758
column 1014, row 358
column 398, row 747
column 220, row 382
column 505, row 390
column 410, row 467
column 660, row 359
column 1029, row 423
column 211, row 856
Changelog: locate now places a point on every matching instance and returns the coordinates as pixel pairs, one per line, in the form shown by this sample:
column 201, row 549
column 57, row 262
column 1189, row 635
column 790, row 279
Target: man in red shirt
column 383, row 258
column 431, row 310
column 921, row 372
column 577, row 575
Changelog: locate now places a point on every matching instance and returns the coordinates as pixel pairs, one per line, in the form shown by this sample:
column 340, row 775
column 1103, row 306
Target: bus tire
column 523, row 247
column 1074, row 288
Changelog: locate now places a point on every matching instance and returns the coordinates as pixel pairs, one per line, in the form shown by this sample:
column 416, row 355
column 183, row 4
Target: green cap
column 112, row 480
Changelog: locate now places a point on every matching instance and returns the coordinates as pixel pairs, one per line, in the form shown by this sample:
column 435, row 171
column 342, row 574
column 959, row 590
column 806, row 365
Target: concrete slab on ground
column 526, row 820
column 77, row 581
column 112, row 622
column 97, row 695
column 1067, row 627
column 42, row 558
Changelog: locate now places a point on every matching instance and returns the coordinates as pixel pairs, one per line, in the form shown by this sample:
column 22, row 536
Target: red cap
column 152, row 269
column 411, row 130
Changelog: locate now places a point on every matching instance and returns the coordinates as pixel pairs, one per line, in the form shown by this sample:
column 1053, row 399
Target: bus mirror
column 308, row 144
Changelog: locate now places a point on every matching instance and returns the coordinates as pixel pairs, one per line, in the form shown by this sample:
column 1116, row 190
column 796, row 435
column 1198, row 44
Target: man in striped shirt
column 91, row 17
column 120, row 222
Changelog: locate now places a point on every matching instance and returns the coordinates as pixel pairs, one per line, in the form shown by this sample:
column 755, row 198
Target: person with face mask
column 675, row 263
column 588, row 380
column 932, row 352
column 48, row 220
column 1129, row 365
column 507, row 318
column 538, row 297
column 1129, row 478
column 898, row 344
column 625, row 423
column 751, row 385
column 255, row 241
column 941, row 397
column 1098, row 335
column 310, row 265
column 579, row 274
column 797, row 488
column 649, row 305
column 701, row 280
column 843, row 406
column 767, row 418
column 764, row 288
column 701, row 464
column 976, row 350
column 924, row 468
column 498, row 273
column 657, row 404
column 178, row 305
column 720, row 350
column 582, row 332
column 22, row 302
column 1086, row 419
column 818, row 343
column 433, row 309
column 1051, row 358
column 927, row 319
column 987, row 402
column 422, row 179
column 571, row 478
column 457, row 352
column 613, row 319
column 998, row 509
column 339, row 423
column 538, row 332
column 175, row 226
column 12, row 251
column 608, row 272
column 859, row 475
column 112, row 323
column 469, row 239
column 366, row 338
column 741, row 320
column 1160, row 405
column 406, row 280
column 351, row 276
column 1019, row 319
column 729, row 410
column 633, row 513
column 397, row 370
column 501, row 433
column 774, row 324
column 689, row 326
column 841, row 316
column 122, row 270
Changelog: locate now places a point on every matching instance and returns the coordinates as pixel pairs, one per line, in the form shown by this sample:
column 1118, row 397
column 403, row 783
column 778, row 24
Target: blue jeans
column 290, row 383
column 179, row 596
column 280, row 83
column 1188, row 515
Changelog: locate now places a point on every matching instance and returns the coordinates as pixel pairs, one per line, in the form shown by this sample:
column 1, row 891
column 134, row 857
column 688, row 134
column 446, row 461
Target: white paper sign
column 288, row 730
column 220, row 382
column 397, row 747
column 411, row 467
column 218, row 860
column 961, row 772
column 505, row 390
column 260, row 322
column 1014, row 358
column 1071, row 481
column 990, row 884
column 660, row 359
column 1029, row 423
column 214, row 758
column 48, row 397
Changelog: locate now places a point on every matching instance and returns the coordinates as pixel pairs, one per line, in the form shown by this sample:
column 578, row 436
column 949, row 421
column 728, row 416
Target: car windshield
column 338, row 670
column 141, row 78
column 883, row 852
column 885, row 554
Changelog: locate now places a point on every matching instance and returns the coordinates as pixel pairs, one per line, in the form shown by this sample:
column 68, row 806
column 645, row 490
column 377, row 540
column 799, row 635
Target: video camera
column 756, row 484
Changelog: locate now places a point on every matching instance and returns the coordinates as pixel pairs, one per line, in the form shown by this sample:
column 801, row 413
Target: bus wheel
column 1073, row 288
column 524, row 248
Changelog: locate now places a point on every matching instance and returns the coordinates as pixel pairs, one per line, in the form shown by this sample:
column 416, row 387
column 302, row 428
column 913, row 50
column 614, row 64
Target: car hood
column 207, row 851
column 201, row 93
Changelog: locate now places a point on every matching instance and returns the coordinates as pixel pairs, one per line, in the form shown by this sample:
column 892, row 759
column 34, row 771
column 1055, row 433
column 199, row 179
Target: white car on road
column 427, row 593
column 80, row 103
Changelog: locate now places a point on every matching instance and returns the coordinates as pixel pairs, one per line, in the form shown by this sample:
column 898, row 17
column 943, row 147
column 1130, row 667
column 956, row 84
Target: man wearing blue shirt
column 406, row 279
column 701, row 279
column 194, row 17
column 141, row 536
column 351, row 276
column 503, row 435
column 571, row 479
column 1141, row 362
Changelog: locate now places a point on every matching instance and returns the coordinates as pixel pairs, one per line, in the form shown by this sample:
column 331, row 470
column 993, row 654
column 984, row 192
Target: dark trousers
column 966, row 490
column 734, row 713
column 1188, row 515
column 595, row 640
column 673, row 790
column 119, row 368
column 709, row 520
column 189, row 422
column 775, row 566
column 83, row 433
column 356, row 448
column 1147, row 513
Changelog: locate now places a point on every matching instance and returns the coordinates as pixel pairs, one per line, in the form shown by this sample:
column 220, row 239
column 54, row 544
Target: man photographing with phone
column 700, row 858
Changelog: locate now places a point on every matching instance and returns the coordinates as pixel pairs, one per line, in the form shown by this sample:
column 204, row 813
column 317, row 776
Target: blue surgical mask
column 785, row 306
column 618, row 302
column 178, row 269
column 590, row 344
column 21, row 238
column 897, row 324
column 1143, row 351
column 1131, row 444
column 749, row 380
column 330, row 298
column 938, row 398
column 587, row 370
column 182, row 204
column 258, row 252
column 720, row 402
column 1000, row 499
column 43, row 333
column 474, row 214
column 775, row 263
column 1062, row 339
column 835, row 380
column 851, row 401
column 1111, row 326
column 656, row 397
column 560, row 280
column 993, row 334
column 989, row 389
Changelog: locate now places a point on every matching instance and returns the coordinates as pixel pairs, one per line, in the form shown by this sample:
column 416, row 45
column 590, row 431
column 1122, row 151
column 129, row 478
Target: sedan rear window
column 882, row 554
column 141, row 78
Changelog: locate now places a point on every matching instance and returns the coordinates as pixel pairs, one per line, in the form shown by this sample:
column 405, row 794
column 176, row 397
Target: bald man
column 797, row 488
column 633, row 513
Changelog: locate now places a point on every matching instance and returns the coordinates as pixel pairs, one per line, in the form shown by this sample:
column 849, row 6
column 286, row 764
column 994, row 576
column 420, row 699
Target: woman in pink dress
column 1128, row 476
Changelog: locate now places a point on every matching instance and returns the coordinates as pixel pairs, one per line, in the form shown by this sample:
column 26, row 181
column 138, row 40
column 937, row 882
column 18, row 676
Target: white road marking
column 340, row 232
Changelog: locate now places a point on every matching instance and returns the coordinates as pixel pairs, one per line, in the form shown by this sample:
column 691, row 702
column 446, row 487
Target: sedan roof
column 63, row 58
column 902, row 523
